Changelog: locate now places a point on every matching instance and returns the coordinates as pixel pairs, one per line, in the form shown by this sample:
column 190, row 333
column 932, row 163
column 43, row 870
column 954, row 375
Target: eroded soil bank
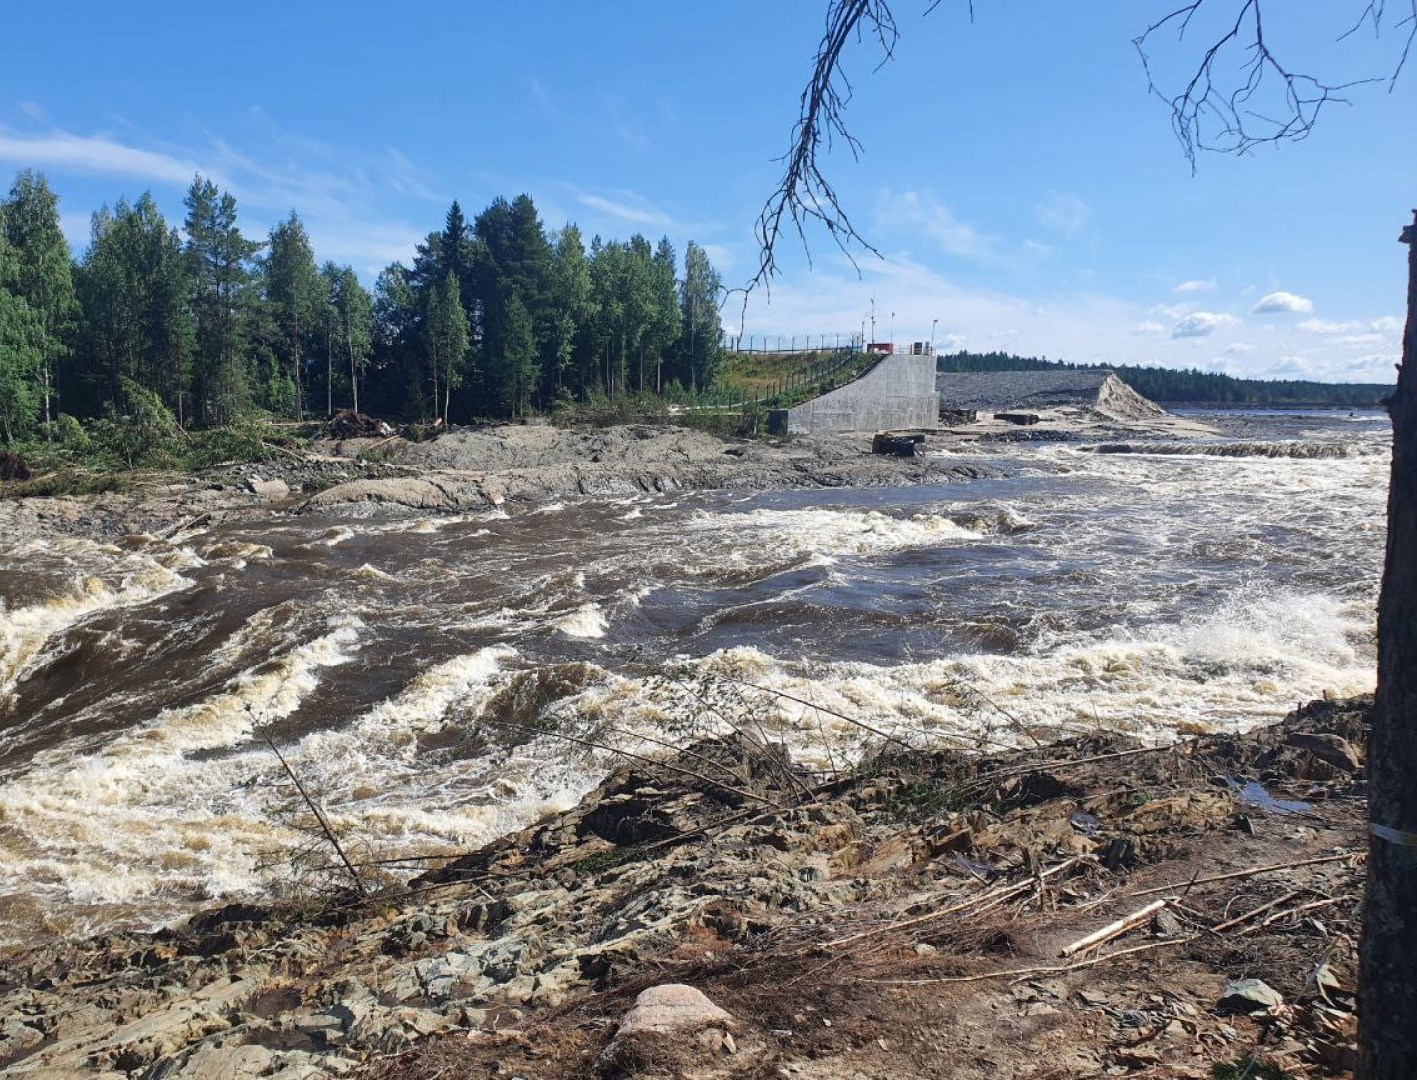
column 925, row 915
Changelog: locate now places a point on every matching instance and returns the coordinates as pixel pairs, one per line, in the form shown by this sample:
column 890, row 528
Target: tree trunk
column 329, row 373
column 353, row 373
column 435, row 384
column 1388, row 985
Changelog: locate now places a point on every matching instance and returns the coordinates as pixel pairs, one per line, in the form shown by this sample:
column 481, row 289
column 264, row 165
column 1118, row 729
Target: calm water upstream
column 1150, row 592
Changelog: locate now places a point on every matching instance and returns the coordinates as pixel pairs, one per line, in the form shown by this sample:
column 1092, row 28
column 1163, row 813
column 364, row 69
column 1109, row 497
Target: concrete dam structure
column 898, row 392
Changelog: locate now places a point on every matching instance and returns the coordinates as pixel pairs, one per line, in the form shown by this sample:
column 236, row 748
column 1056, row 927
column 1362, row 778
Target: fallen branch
column 1022, row 973
column 822, row 708
column 1114, row 929
column 984, row 901
column 282, row 450
column 1328, row 901
column 1257, row 911
column 183, row 526
column 1251, row 872
column 652, row 762
column 314, row 809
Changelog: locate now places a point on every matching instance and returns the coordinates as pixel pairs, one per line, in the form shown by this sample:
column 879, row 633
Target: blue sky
column 1023, row 187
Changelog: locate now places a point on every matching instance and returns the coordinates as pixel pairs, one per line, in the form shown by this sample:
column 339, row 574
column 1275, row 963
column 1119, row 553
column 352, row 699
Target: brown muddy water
column 399, row 662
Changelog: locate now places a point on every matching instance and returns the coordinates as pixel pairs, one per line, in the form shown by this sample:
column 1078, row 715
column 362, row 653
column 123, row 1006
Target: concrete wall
column 899, row 392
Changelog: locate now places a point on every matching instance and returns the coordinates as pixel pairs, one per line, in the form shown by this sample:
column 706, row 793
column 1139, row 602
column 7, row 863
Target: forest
column 495, row 317
column 1175, row 386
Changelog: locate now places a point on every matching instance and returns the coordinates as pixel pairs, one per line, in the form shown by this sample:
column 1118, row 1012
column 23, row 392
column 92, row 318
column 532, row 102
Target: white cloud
column 59, row 150
column 1202, row 324
column 1283, row 302
column 1173, row 311
column 1196, row 286
column 1149, row 329
column 1324, row 326
column 1063, row 213
column 1290, row 367
column 917, row 214
column 338, row 191
column 912, row 210
column 629, row 208
column 1083, row 327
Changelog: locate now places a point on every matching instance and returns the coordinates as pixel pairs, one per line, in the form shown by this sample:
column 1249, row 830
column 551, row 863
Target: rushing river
column 404, row 666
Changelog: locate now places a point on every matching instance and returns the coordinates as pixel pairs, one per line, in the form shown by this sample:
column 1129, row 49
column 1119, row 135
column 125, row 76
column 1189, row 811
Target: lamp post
column 892, row 327
column 933, row 323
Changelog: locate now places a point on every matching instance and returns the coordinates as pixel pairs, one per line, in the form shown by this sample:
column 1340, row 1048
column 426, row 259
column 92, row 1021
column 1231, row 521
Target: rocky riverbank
column 481, row 468
column 1094, row 907
column 516, row 465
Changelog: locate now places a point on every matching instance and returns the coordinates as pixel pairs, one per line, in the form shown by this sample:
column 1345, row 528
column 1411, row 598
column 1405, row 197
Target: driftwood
column 1114, row 929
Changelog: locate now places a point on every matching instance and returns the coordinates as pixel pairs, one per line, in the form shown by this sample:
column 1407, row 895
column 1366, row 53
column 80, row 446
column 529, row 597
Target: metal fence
column 791, row 343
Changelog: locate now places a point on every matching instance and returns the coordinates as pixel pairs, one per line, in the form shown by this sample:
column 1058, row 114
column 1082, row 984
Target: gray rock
column 1250, row 996
column 274, row 490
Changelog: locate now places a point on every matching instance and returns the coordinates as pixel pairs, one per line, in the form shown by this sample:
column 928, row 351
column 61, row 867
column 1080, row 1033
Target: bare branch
column 1219, row 107
column 1239, row 96
column 805, row 196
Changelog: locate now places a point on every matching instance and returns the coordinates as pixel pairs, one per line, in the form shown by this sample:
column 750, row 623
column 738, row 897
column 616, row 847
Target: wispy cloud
column 626, row 126
column 1062, row 213
column 631, row 208
column 919, row 214
column 338, row 191
column 1196, row 285
column 60, row 150
column 542, row 96
column 1283, row 302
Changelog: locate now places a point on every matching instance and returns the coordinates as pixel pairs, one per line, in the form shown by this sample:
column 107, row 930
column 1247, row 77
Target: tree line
column 494, row 317
column 1192, row 385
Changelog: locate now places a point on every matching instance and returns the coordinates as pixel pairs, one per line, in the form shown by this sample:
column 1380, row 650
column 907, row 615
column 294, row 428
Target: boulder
column 274, row 490
column 673, row 1008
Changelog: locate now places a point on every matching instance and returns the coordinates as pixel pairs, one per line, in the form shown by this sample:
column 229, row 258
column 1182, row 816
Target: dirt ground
column 952, row 963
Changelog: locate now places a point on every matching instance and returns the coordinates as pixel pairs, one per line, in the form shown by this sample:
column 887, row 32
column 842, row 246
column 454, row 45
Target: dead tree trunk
column 1388, row 995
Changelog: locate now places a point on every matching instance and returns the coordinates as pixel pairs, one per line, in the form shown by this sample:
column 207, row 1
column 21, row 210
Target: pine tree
column 293, row 289
column 218, row 258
